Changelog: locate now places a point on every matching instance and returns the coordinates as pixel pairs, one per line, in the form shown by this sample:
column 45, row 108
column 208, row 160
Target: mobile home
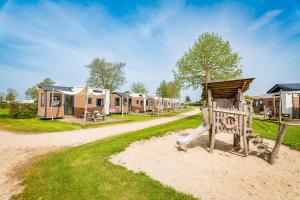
column 138, row 102
column 120, row 102
column 60, row 101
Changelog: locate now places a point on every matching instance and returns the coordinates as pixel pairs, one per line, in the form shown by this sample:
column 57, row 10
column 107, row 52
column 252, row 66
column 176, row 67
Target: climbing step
column 259, row 143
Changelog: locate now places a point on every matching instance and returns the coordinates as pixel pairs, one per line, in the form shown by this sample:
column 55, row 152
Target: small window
column 277, row 104
column 270, row 103
column 99, row 102
column 43, row 99
column 56, row 100
column 137, row 102
column 142, row 103
column 147, row 102
column 90, row 101
column 117, row 101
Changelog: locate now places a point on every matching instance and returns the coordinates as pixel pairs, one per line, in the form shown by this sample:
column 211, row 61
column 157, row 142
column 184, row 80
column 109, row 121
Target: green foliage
column 33, row 92
column 169, row 89
column 11, row 94
column 139, row 88
column 3, row 105
column 85, row 172
column 2, row 97
column 107, row 75
column 210, row 58
column 45, row 82
column 22, row 110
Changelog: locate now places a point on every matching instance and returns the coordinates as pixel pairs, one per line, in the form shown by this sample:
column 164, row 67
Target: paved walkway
column 17, row 149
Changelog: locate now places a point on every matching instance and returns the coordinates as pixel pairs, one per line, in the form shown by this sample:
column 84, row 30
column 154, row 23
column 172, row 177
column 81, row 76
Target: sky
column 57, row 39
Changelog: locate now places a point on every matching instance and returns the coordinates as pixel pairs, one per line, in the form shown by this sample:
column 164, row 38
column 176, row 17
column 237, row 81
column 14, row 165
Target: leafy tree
column 139, row 88
column 169, row 89
column 210, row 58
column 187, row 99
column 108, row 75
column 2, row 96
column 162, row 90
column 11, row 94
column 33, row 92
column 173, row 89
column 46, row 81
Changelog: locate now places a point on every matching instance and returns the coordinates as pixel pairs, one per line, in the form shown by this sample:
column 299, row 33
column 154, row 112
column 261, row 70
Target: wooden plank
column 213, row 132
column 280, row 136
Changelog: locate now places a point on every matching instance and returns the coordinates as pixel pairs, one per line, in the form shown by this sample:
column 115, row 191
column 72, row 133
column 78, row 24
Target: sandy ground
column 221, row 175
column 18, row 149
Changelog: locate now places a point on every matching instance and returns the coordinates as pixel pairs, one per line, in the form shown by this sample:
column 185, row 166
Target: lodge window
column 142, row 103
column 90, row 100
column 99, row 102
column 147, row 102
column 56, row 100
column 137, row 102
column 277, row 104
column 117, row 101
column 43, row 99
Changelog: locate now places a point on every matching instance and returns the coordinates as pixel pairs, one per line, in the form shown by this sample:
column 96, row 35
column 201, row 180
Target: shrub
column 22, row 110
column 3, row 105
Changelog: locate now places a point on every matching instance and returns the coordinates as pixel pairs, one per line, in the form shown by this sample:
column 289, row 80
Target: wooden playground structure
column 227, row 111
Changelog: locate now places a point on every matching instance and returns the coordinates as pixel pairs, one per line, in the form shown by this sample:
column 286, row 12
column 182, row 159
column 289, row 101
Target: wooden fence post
column 280, row 136
column 213, row 130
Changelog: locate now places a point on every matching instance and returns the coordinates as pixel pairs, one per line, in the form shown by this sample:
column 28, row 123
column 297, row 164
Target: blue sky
column 57, row 39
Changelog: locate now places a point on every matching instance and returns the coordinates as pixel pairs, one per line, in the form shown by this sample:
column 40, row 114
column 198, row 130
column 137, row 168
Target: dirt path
column 17, row 149
column 221, row 175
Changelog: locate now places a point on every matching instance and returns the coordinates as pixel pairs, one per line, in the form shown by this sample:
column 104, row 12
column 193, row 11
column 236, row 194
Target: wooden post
column 245, row 136
column 274, row 105
column 52, row 103
column 280, row 107
column 122, row 106
column 86, row 103
column 213, row 130
column 209, row 104
column 237, row 137
column 280, row 136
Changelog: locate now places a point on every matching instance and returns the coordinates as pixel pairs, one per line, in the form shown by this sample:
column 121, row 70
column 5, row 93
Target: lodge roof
column 285, row 87
column 226, row 89
column 121, row 94
column 51, row 87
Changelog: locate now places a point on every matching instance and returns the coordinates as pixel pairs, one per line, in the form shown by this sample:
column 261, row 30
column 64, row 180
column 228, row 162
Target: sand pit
column 221, row 175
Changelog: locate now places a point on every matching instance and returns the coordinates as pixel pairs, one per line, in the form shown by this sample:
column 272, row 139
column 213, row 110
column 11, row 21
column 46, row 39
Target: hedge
column 3, row 105
column 22, row 110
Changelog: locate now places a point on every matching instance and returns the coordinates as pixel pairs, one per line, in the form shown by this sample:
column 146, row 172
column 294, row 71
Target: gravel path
column 17, row 149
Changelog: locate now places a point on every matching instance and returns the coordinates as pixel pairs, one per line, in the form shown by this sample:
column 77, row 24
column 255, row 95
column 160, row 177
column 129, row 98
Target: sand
column 17, row 150
column 221, row 175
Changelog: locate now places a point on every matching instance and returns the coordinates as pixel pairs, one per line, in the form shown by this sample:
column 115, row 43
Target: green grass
column 40, row 126
column 84, row 172
column 269, row 130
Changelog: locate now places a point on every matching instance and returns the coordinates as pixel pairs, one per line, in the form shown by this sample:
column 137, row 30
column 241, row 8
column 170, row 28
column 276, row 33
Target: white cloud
column 51, row 40
column 265, row 19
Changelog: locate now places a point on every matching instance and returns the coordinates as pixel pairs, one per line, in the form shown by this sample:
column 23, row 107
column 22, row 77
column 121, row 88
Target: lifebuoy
column 231, row 125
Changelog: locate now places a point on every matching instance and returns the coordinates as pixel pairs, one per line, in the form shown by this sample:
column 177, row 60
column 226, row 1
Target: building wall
column 136, row 104
column 296, row 106
column 80, row 100
column 118, row 108
column 45, row 112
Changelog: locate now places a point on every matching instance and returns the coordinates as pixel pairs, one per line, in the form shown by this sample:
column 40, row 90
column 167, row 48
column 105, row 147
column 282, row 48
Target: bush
column 22, row 110
column 3, row 105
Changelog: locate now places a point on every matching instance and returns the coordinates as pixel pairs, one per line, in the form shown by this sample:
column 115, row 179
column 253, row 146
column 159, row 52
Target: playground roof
column 226, row 89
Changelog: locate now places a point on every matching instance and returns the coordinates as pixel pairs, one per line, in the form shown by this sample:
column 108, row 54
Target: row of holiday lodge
column 58, row 102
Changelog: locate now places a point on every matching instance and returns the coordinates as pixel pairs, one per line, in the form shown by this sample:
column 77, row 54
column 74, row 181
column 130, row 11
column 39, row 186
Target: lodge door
column 69, row 105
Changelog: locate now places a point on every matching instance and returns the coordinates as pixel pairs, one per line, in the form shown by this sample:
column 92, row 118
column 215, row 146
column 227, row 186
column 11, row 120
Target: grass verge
column 270, row 130
column 40, row 126
column 84, row 172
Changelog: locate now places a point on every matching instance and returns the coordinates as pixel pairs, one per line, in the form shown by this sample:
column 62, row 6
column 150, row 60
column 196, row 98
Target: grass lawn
column 84, row 172
column 269, row 130
column 38, row 125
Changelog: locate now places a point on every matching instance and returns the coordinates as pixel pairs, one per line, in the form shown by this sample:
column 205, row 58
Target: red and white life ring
column 232, row 125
